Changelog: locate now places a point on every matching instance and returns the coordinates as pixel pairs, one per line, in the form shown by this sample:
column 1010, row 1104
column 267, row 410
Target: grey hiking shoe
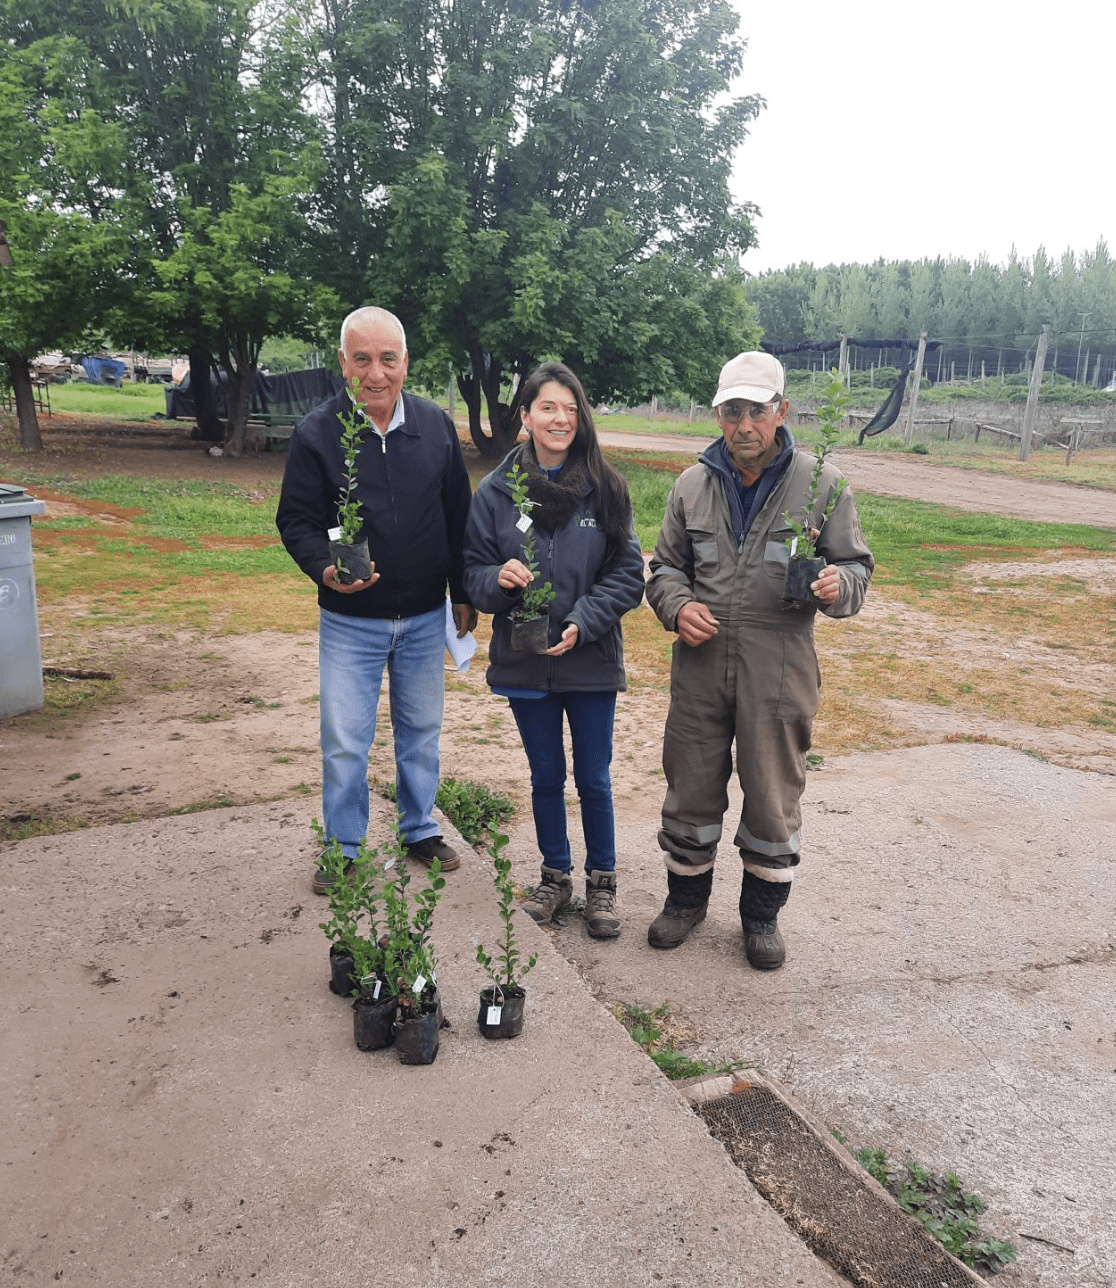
column 673, row 924
column 551, row 895
column 600, row 905
column 763, row 945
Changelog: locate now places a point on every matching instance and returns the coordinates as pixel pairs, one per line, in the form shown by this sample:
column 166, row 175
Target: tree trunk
column 29, row 436
column 239, row 362
column 470, row 395
column 503, row 424
column 208, row 424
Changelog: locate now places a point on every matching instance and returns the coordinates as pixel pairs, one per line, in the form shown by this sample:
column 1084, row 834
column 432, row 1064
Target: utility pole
column 1080, row 338
column 1033, row 393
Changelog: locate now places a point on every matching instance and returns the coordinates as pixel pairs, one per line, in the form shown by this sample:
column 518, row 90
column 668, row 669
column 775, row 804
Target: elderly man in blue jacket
column 414, row 494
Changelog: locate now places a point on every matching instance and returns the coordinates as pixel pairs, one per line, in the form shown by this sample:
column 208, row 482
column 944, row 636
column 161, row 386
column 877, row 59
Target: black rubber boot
column 686, row 902
column 760, row 903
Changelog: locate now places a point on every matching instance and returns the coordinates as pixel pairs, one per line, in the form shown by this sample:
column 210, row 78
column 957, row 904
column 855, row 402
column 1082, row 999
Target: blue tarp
column 104, row 371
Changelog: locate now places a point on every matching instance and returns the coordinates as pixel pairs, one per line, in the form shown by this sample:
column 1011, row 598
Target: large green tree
column 209, row 97
column 526, row 179
column 60, row 166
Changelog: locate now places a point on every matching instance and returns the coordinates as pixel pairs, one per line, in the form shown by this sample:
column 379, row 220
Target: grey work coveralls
column 757, row 680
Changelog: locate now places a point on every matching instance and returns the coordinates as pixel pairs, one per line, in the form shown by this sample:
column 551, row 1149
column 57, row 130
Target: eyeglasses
column 732, row 413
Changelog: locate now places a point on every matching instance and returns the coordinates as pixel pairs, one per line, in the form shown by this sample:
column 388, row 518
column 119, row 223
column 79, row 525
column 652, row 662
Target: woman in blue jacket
column 587, row 549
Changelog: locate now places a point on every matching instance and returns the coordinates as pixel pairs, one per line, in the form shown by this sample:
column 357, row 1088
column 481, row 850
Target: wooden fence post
column 1033, row 393
column 915, row 387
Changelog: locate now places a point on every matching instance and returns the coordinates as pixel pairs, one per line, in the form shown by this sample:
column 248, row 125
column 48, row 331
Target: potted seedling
column 530, row 624
column 347, row 548
column 341, row 928
column 804, row 565
column 374, row 1005
column 356, row 955
column 409, row 964
column 503, row 1002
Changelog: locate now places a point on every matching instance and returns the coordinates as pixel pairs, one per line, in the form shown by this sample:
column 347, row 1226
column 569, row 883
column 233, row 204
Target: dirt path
column 918, row 480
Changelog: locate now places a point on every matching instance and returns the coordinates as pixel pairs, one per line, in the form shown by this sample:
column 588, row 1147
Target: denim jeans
column 590, row 717
column 352, row 654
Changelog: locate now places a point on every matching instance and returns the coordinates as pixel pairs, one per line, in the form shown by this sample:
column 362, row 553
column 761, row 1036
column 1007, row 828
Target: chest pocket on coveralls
column 704, row 546
column 776, row 554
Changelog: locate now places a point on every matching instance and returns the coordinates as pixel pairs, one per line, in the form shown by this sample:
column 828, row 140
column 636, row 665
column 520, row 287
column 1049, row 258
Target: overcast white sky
column 904, row 130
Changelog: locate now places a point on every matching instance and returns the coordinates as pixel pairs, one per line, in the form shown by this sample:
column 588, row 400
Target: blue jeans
column 590, row 717
column 352, row 654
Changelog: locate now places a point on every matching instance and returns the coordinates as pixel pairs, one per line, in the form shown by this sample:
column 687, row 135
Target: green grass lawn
column 191, row 530
column 134, row 552
column 129, row 402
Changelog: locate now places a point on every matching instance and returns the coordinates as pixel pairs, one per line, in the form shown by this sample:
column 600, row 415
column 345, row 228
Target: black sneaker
column 324, row 878
column 434, row 847
column 673, row 924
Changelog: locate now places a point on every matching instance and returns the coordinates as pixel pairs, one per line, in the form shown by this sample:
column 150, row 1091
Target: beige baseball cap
column 759, row 377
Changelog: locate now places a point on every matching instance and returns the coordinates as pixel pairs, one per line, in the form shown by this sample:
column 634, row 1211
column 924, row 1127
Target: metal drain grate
column 842, row 1215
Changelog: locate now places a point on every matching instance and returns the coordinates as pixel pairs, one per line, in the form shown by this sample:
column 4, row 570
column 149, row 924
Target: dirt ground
column 200, row 720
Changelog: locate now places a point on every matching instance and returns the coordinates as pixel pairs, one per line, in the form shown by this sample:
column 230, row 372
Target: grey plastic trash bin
column 21, row 663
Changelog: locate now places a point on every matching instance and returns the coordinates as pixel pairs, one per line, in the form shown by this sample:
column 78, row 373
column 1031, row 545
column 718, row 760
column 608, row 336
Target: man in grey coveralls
column 744, row 666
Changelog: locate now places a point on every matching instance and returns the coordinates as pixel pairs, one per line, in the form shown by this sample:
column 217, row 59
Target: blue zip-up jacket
column 717, row 458
column 571, row 560
column 414, row 493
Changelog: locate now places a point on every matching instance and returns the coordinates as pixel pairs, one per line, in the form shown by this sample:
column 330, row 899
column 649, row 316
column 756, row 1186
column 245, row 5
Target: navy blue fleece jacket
column 413, row 490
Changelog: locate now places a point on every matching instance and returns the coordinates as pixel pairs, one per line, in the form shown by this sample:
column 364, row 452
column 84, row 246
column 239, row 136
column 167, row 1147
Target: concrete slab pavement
column 950, row 990
column 184, row 1103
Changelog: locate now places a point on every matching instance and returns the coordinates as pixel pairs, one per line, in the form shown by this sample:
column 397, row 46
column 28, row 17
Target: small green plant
column 504, row 966
column 803, row 545
column 644, row 1027
column 471, row 807
column 535, row 598
column 353, row 925
column 408, row 953
column 942, row 1206
column 348, row 507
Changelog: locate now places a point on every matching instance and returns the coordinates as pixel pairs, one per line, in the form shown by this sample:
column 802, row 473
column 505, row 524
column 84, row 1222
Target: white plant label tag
column 494, row 1013
column 794, row 547
column 419, row 985
column 334, row 534
column 389, row 864
column 524, row 522
column 376, row 990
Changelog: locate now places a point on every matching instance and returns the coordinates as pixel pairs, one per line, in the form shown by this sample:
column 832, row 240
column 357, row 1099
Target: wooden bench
column 270, row 429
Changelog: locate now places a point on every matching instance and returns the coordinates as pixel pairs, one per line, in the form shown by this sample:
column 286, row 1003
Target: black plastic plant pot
column 801, row 575
column 373, row 1021
column 530, row 636
column 354, row 559
column 501, row 1014
column 416, row 1041
column 341, row 979
column 417, row 1038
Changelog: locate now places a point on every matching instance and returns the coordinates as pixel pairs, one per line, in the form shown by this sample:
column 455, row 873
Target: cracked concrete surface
column 950, row 991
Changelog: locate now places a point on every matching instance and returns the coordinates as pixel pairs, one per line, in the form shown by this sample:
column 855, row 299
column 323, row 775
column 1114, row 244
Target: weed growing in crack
column 643, row 1026
column 941, row 1205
